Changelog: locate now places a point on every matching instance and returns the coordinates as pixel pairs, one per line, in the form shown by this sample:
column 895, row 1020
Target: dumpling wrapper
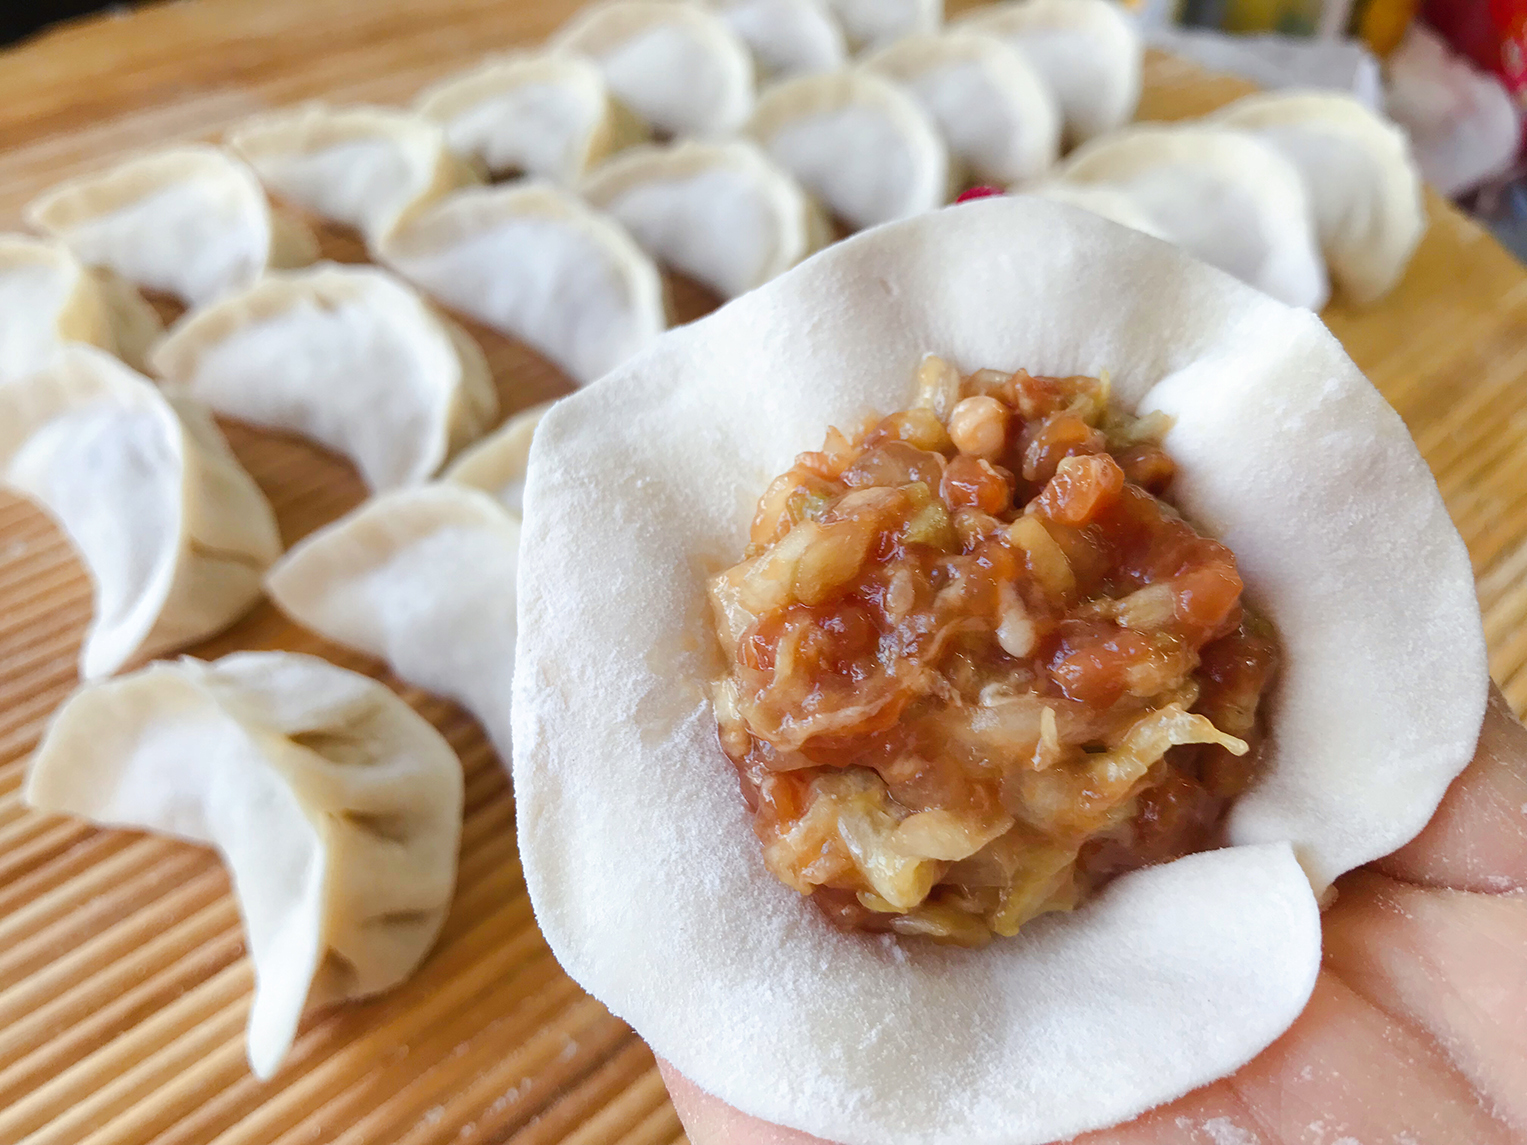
column 191, row 221
column 1088, row 51
column 174, row 534
column 676, row 64
column 995, row 111
column 496, row 464
column 347, row 355
column 723, row 213
column 48, row 298
column 637, row 848
column 335, row 807
column 786, row 37
column 1363, row 184
column 370, row 168
column 1222, row 195
column 538, row 264
column 424, row 579
column 1101, row 199
column 857, row 141
column 870, row 24
column 549, row 116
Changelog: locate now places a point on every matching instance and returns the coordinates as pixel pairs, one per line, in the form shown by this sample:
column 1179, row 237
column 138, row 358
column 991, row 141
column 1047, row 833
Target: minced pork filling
column 977, row 666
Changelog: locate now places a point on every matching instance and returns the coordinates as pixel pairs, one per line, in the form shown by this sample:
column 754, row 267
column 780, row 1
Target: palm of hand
column 1416, row 1033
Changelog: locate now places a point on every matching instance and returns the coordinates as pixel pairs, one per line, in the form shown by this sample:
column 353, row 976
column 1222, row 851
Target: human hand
column 1416, row 1033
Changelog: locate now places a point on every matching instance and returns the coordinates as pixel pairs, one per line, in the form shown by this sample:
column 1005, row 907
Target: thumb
column 710, row 1121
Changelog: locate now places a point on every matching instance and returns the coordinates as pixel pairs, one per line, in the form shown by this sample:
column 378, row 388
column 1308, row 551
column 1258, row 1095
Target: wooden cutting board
column 123, row 986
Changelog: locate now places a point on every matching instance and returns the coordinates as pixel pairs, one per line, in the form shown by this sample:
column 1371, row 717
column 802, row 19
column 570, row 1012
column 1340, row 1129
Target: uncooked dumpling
column 995, row 112
column 369, row 168
column 174, row 534
column 678, row 65
column 537, row 264
column 638, row 851
column 786, row 37
column 875, row 23
column 496, row 464
column 858, row 142
column 191, row 221
column 336, row 808
column 1222, row 195
column 424, row 579
column 349, row 356
column 723, row 213
column 549, row 115
column 1088, row 51
column 1362, row 182
column 48, row 298
column 1101, row 199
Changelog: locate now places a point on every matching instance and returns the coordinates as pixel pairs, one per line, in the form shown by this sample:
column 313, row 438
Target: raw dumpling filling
column 976, row 667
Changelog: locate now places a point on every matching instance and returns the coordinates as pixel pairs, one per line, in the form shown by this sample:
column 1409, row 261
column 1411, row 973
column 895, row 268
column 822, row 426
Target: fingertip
column 710, row 1121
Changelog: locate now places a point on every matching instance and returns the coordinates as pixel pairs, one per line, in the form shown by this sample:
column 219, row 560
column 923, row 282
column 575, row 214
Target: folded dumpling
column 549, row 115
column 1222, row 195
column 786, row 37
column 174, row 534
column 347, row 355
column 723, row 213
column 496, row 464
column 1102, row 200
column 1088, row 51
column 678, row 65
column 858, row 142
column 335, row 806
column 1363, row 184
column 995, row 111
column 191, row 221
column 874, row 23
column 48, row 298
column 540, row 265
column 364, row 167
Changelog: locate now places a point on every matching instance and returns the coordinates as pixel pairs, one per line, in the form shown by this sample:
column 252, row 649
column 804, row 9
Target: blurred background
column 1452, row 72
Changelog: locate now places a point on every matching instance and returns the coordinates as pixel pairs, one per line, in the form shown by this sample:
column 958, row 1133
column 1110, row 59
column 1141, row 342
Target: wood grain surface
column 123, row 983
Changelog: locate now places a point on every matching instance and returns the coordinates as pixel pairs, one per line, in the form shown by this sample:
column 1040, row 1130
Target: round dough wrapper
column 347, row 355
column 174, row 534
column 786, row 37
column 723, row 213
column 335, row 807
column 1088, row 51
column 637, row 847
column 857, row 141
column 48, row 298
column 1362, row 181
column 370, row 168
column 870, row 24
column 1222, row 195
column 676, row 64
column 550, row 116
column 191, row 221
column 995, row 111
column 537, row 264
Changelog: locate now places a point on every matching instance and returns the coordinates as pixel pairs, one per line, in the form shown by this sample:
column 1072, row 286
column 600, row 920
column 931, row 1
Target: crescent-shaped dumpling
column 857, row 141
column 786, row 37
column 349, row 356
column 1363, row 184
column 424, row 579
column 638, row 850
column 678, row 65
column 190, row 221
column 174, row 534
column 1088, row 51
column 1223, row 195
column 549, row 116
column 723, row 213
column 335, row 807
column 1101, row 199
column 496, row 464
column 996, row 113
column 48, row 298
column 364, row 167
column 538, row 264
column 872, row 24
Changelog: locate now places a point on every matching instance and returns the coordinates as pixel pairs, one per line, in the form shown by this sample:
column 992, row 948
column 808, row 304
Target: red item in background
column 1492, row 33
column 984, row 191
